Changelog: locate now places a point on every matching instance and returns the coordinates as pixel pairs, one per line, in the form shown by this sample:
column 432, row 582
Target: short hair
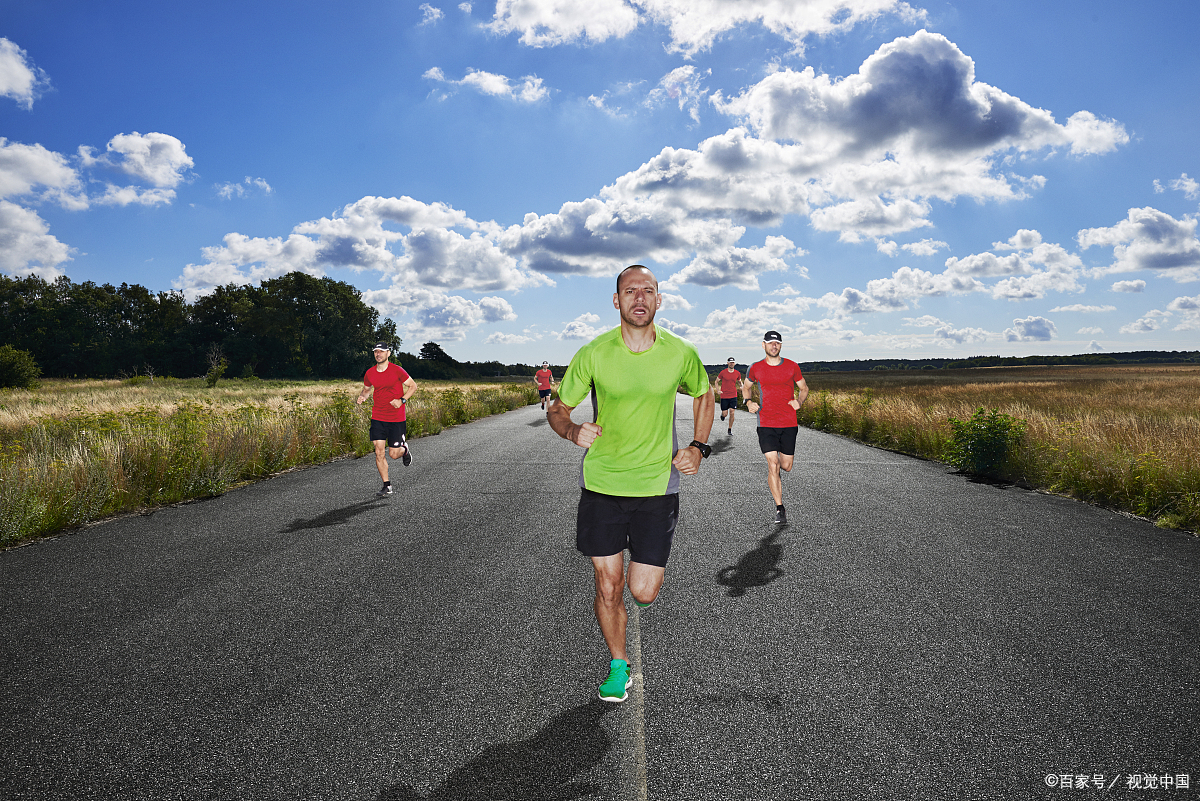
column 621, row 274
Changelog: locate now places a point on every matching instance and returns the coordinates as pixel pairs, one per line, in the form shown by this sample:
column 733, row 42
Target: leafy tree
column 18, row 368
column 432, row 351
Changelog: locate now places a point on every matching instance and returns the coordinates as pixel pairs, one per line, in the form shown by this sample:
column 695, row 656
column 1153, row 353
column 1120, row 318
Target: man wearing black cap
column 777, row 380
column 729, row 379
column 392, row 387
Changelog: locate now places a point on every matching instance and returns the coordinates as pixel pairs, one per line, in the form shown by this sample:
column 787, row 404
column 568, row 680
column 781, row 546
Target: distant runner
column 778, row 380
column 729, row 379
column 545, row 381
column 630, row 475
column 392, row 387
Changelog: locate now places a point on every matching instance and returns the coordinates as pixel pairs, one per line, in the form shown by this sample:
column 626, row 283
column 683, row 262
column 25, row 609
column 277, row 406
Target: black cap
column 382, row 346
column 731, row 359
column 772, row 336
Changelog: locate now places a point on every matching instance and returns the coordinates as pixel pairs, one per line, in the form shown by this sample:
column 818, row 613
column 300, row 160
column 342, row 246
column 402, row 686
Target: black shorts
column 544, row 393
column 778, row 439
column 608, row 524
column 728, row 403
column 391, row 433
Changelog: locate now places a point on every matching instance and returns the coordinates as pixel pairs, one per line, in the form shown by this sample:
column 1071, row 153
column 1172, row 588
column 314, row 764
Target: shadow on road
column 333, row 517
column 758, row 568
column 541, row 767
column 721, row 445
column 541, row 421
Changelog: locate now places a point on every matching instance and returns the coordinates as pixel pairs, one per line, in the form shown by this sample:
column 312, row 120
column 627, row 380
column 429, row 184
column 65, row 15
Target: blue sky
column 872, row 178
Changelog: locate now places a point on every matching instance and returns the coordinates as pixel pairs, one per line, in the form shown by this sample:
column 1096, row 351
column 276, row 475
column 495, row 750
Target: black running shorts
column 608, row 524
column 544, row 393
column 391, row 433
column 782, row 440
column 728, row 403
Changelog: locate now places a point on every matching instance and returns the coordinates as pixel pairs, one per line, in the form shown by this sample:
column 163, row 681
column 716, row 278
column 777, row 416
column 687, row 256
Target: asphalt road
column 910, row 635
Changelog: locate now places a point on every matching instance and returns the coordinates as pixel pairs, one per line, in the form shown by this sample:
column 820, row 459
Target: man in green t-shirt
column 630, row 473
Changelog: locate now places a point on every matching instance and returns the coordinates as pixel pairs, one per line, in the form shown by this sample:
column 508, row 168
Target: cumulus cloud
column 739, row 267
column 428, row 314
column 1079, row 307
column 230, row 190
column 694, row 26
column 528, row 90
column 1148, row 322
column 680, row 86
column 784, row 290
column 950, row 336
column 497, row 338
column 20, row 79
column 1149, row 239
column 926, row 247
column 671, row 301
column 430, row 14
column 1035, row 269
column 1189, row 310
column 1129, row 286
column 26, row 245
column 158, row 159
column 582, row 328
column 732, row 324
column 1189, row 186
column 40, row 175
column 1031, row 329
column 1091, row 330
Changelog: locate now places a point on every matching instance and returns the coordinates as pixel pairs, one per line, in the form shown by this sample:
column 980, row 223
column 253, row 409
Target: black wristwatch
column 705, row 450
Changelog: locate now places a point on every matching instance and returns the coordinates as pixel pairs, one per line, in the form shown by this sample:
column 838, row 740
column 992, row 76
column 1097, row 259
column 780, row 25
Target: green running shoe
column 616, row 687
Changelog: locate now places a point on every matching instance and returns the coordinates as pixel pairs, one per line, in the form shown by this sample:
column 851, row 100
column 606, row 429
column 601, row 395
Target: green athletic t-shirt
column 634, row 397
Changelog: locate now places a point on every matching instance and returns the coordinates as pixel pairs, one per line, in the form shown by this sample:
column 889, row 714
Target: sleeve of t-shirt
column 797, row 376
column 695, row 377
column 577, row 382
column 404, row 376
column 750, row 372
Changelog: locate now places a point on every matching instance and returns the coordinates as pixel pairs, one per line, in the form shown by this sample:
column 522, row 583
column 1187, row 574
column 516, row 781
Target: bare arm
column 802, row 394
column 406, row 391
column 748, row 395
column 362, row 396
column 688, row 459
column 558, row 415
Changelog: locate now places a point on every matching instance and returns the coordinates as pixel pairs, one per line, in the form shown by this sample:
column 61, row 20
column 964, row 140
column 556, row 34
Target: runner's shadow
column 333, row 517
column 541, row 421
column 720, row 446
column 758, row 568
column 541, row 767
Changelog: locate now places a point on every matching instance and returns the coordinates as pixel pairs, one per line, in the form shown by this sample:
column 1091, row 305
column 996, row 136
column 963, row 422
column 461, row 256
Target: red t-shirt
column 729, row 382
column 388, row 385
column 777, row 386
column 543, row 378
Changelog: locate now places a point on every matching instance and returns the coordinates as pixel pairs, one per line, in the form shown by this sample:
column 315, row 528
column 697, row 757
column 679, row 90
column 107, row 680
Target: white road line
column 639, row 718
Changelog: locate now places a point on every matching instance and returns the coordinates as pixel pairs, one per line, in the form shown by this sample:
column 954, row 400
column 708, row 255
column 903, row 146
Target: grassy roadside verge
column 1127, row 438
column 74, row 452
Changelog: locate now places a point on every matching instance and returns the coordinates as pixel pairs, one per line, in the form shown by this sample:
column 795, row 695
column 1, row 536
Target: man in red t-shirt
column 729, row 379
column 544, row 380
column 778, row 380
column 392, row 387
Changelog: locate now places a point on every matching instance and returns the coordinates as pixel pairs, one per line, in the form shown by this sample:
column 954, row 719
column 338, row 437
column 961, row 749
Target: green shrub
column 215, row 372
column 18, row 369
column 984, row 444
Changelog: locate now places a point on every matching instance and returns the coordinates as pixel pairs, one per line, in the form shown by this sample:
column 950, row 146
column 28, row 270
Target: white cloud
column 497, row 338
column 156, row 158
column 732, row 324
column 26, row 246
column 430, row 14
column 1149, row 239
column 1090, row 330
column 926, row 247
column 925, row 321
column 581, row 328
column 128, row 195
column 1189, row 309
column 949, row 336
column 528, row 90
column 41, row 175
column 682, row 87
column 1026, row 280
column 1150, row 321
column 670, row 301
column 1024, row 239
column 464, row 8
column 1189, row 186
column 739, row 267
column 1079, row 307
column 19, row 79
column 1094, row 345
column 424, row 314
column 1129, row 286
column 229, row 189
column 784, row 290
column 543, row 23
column 1031, row 329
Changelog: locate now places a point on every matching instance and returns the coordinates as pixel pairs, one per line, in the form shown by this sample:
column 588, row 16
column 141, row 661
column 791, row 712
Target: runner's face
column 381, row 356
column 638, row 300
column 772, row 349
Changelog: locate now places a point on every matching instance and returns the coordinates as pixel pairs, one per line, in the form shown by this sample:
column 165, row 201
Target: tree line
column 294, row 326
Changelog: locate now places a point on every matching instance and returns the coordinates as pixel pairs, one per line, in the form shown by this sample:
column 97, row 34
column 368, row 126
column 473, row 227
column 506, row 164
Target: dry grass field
column 76, row 451
column 1127, row 437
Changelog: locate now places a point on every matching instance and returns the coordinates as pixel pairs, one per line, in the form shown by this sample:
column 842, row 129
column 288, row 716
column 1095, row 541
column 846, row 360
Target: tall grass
column 1123, row 437
column 73, row 452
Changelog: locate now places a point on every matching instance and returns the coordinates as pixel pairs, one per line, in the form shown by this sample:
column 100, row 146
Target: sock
column 387, row 483
column 639, row 603
column 779, row 507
